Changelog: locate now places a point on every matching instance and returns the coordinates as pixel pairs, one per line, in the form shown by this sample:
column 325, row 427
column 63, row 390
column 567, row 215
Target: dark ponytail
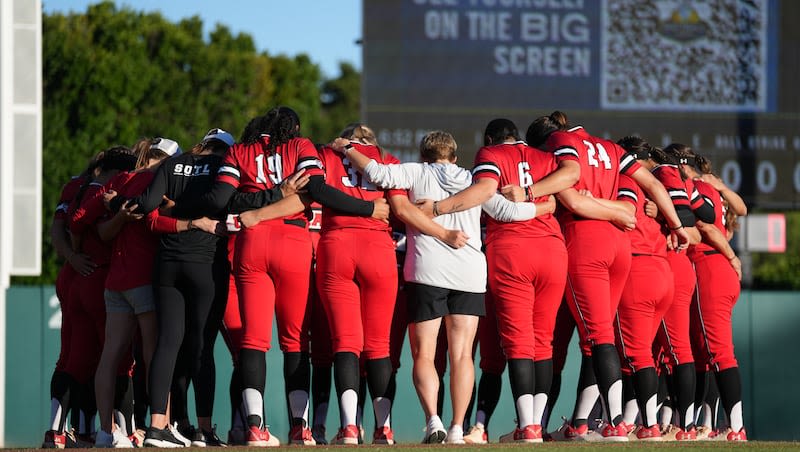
column 680, row 154
column 702, row 164
column 636, row 146
column 543, row 126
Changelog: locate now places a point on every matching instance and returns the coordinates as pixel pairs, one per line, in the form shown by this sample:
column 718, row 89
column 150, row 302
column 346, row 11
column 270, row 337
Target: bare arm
column 590, row 208
column 289, row 205
column 735, row 202
column 414, row 217
column 565, row 176
column 717, row 239
column 474, row 195
column 63, row 245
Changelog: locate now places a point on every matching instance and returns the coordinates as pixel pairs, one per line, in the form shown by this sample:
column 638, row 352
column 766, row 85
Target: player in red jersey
column 128, row 293
column 707, row 396
column 273, row 261
column 522, row 286
column 74, row 263
column 673, row 335
column 85, row 299
column 599, row 252
column 358, row 282
column 718, row 274
column 643, row 302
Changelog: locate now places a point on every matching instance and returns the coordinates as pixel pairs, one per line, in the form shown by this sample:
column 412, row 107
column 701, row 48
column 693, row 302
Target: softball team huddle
column 164, row 249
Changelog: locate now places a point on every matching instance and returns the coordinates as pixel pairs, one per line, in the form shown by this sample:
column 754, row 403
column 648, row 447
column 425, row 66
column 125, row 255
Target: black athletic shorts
column 428, row 302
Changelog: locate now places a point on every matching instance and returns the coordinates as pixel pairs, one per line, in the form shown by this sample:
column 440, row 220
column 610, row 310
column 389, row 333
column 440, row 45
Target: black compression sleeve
column 211, row 203
column 686, row 216
column 332, row 198
column 705, row 213
column 242, row 202
column 154, row 194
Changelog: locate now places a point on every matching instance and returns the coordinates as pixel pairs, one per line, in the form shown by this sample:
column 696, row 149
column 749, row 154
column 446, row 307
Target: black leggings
column 205, row 380
column 184, row 295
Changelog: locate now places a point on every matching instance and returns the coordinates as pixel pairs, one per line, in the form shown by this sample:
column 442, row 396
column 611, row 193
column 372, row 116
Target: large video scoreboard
column 719, row 75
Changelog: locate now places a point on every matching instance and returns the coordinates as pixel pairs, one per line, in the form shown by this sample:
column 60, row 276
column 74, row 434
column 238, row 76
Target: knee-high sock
column 684, row 383
column 605, row 361
column 587, row 393
column 297, row 379
column 630, row 406
column 729, row 382
column 543, row 371
column 379, row 376
column 489, row 388
column 253, row 370
column 646, row 383
column 521, row 375
column 60, row 384
column 320, row 393
column 347, row 381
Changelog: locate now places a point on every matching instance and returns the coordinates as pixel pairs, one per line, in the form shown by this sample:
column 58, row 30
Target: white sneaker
column 455, row 435
column 177, row 434
column 476, row 435
column 434, row 432
column 116, row 440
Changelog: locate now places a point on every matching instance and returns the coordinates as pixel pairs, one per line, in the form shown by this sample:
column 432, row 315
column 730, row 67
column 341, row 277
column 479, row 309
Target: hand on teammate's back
column 426, row 206
column 380, row 210
column 650, row 208
column 165, row 209
column 454, row 238
column 128, row 212
column 737, row 266
column 81, row 263
column 679, row 239
column 108, row 197
column 294, row 183
column 624, row 220
column 248, row 219
column 338, row 144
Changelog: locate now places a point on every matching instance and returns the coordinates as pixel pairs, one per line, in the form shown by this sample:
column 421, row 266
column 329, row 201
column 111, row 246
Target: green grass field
column 583, row 447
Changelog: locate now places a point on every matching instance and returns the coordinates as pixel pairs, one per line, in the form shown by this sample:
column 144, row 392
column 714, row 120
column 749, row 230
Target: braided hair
column 252, row 131
column 281, row 124
column 543, row 126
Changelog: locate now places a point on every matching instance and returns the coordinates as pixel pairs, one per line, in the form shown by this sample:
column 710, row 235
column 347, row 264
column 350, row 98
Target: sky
column 326, row 30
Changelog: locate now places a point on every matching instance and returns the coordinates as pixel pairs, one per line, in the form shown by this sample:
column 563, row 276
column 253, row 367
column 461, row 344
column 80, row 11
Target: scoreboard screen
column 718, row 75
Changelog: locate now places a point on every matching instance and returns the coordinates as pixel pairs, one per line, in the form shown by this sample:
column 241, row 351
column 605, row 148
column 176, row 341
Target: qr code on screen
column 684, row 55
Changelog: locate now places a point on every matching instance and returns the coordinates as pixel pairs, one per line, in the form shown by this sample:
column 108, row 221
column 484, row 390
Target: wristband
column 675, row 228
column 436, row 208
column 189, row 226
column 348, row 147
column 528, row 194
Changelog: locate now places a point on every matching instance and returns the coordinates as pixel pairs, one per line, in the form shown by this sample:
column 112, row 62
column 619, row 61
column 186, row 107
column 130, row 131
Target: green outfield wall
column 766, row 327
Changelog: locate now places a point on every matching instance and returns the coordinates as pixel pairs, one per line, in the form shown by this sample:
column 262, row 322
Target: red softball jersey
column 68, row 193
column 516, row 164
column 134, row 249
column 715, row 198
column 682, row 192
column 647, row 237
column 342, row 175
column 601, row 160
column 252, row 167
column 83, row 220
